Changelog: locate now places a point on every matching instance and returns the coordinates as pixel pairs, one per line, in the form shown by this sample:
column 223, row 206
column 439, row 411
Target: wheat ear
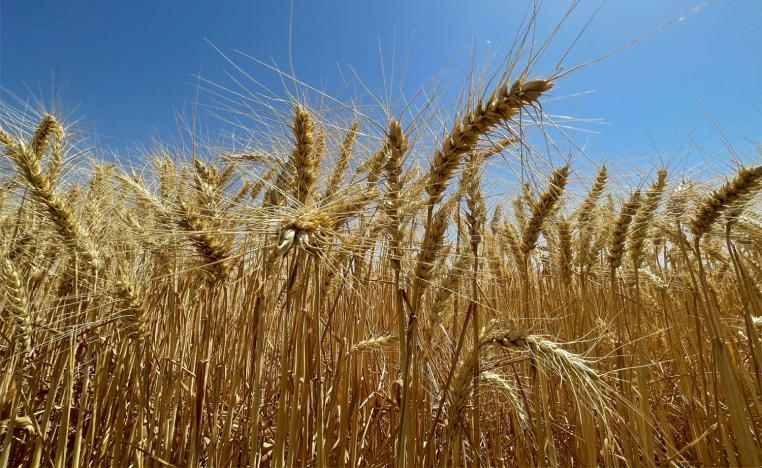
column 211, row 247
column 747, row 181
column 17, row 305
column 345, row 156
column 504, row 103
column 543, row 208
column 303, row 158
column 494, row 380
column 545, row 349
column 446, row 288
column 565, row 249
column 432, row 244
column 48, row 127
column 61, row 213
column 134, row 313
column 645, row 216
column 396, row 145
column 373, row 344
column 619, row 233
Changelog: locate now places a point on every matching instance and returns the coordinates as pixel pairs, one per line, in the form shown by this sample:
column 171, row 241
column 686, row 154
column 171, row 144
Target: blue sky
column 126, row 68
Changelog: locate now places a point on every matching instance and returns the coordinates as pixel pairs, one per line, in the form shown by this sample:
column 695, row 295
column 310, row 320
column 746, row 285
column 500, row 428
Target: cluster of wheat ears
column 322, row 301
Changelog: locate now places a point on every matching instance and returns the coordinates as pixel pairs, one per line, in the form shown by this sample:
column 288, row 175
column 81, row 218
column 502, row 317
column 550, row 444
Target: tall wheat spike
column 504, row 103
column 746, row 181
column 303, row 158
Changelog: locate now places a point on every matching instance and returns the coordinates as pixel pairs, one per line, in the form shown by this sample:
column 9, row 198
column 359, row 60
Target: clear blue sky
column 126, row 67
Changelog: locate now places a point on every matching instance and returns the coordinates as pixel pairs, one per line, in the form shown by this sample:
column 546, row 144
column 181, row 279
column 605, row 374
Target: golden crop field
column 348, row 291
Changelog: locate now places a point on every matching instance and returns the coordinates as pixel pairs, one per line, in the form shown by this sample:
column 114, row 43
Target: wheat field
column 346, row 291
